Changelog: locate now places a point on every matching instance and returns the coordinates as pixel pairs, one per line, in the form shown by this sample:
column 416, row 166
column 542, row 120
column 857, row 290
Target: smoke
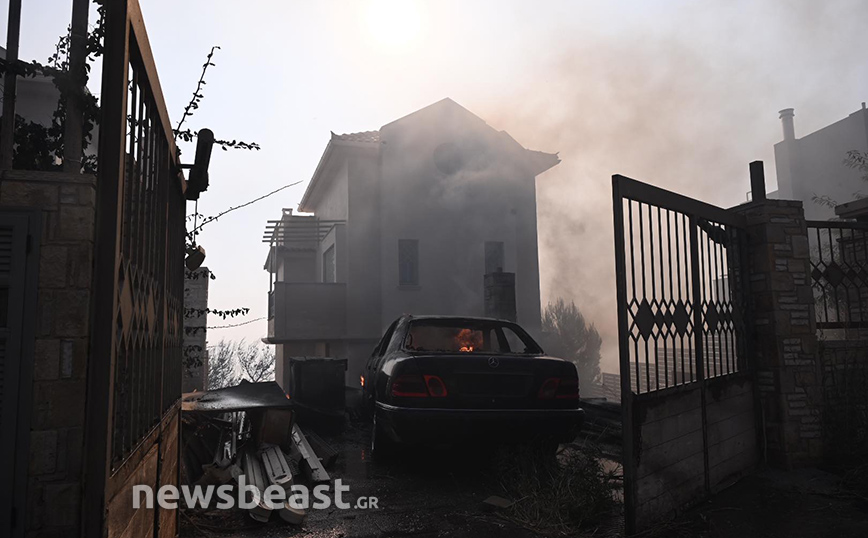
column 665, row 108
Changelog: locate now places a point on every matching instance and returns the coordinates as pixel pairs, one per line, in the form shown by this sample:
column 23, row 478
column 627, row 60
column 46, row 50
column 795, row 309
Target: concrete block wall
column 61, row 348
column 784, row 331
column 670, row 456
column 732, row 430
column 670, row 473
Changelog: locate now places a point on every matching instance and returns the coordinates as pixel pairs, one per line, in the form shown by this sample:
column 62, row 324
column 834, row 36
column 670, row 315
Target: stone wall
column 60, row 359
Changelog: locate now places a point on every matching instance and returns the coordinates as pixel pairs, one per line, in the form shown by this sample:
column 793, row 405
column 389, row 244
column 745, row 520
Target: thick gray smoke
column 679, row 108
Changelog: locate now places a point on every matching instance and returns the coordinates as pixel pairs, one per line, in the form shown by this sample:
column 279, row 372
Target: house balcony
column 311, row 311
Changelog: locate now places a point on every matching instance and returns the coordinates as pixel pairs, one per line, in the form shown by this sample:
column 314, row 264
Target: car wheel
column 382, row 446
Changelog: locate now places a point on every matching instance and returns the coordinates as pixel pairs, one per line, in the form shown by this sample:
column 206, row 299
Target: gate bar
column 628, row 461
column 699, row 355
column 642, row 192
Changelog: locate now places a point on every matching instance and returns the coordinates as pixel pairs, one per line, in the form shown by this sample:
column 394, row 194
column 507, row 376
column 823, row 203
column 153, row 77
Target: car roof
column 427, row 317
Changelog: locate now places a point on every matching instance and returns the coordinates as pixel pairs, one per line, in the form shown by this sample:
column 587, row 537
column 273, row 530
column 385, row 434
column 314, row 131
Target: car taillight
column 568, row 389
column 549, row 388
column 561, row 388
column 436, row 387
column 409, row 386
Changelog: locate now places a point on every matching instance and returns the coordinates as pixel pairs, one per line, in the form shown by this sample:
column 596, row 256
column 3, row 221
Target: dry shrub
column 855, row 481
column 557, row 496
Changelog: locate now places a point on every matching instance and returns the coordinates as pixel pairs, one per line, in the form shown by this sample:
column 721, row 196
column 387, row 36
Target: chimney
column 500, row 295
column 787, row 115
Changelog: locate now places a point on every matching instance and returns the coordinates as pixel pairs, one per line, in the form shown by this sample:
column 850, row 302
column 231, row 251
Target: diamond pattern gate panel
column 839, row 277
column 681, row 321
column 134, row 383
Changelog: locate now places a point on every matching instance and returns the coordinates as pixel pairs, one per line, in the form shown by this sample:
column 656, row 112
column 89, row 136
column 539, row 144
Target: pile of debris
column 247, row 433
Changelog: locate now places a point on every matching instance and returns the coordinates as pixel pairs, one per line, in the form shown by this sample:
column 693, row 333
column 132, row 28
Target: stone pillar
column 784, row 335
column 195, row 374
column 500, row 295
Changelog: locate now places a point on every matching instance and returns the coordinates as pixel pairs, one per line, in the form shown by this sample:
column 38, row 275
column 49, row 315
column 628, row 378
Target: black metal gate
column 135, row 365
column 680, row 275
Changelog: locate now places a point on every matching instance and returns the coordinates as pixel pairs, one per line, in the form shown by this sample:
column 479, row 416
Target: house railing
column 839, row 273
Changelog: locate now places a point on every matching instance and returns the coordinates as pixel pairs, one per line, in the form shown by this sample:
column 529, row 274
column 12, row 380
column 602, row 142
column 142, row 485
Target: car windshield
column 468, row 336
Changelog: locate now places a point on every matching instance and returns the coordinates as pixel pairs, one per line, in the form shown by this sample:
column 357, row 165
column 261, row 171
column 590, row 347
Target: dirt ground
column 423, row 493
column 439, row 493
column 805, row 503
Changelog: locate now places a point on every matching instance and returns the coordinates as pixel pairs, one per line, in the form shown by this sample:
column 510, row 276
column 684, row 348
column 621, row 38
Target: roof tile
column 364, row 136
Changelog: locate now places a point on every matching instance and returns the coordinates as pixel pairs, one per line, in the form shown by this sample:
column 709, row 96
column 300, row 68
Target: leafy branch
column 223, row 314
column 187, row 135
column 856, row 160
column 197, row 94
column 43, row 147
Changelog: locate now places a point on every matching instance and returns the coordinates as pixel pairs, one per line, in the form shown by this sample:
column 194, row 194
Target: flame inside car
column 468, row 340
column 449, row 337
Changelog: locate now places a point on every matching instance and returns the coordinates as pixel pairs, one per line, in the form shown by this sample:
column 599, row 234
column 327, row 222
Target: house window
column 493, row 256
column 328, row 265
column 408, row 262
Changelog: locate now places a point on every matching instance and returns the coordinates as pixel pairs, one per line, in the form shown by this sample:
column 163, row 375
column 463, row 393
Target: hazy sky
column 682, row 94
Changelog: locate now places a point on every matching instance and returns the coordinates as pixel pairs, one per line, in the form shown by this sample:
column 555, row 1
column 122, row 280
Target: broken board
column 311, row 464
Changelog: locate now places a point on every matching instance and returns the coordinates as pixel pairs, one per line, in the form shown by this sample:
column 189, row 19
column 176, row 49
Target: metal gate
column 681, row 304
column 135, row 363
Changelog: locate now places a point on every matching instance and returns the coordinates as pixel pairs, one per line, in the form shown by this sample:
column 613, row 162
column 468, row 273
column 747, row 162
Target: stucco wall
column 452, row 215
column 333, row 203
column 814, row 164
column 310, row 311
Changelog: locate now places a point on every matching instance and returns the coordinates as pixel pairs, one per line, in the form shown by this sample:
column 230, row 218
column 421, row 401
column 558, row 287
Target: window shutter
column 13, row 254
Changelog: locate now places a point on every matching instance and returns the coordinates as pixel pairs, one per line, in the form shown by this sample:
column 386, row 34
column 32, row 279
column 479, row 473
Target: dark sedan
column 435, row 379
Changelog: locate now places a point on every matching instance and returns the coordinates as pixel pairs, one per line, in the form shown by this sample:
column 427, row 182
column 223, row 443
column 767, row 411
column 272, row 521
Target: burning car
column 437, row 379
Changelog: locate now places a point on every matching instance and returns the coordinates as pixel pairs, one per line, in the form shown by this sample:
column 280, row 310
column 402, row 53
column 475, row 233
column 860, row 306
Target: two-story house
column 407, row 219
column 812, row 168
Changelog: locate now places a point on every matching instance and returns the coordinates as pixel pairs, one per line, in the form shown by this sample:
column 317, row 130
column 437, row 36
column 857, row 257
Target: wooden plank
column 313, row 467
column 121, row 518
column 170, row 470
column 119, row 476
